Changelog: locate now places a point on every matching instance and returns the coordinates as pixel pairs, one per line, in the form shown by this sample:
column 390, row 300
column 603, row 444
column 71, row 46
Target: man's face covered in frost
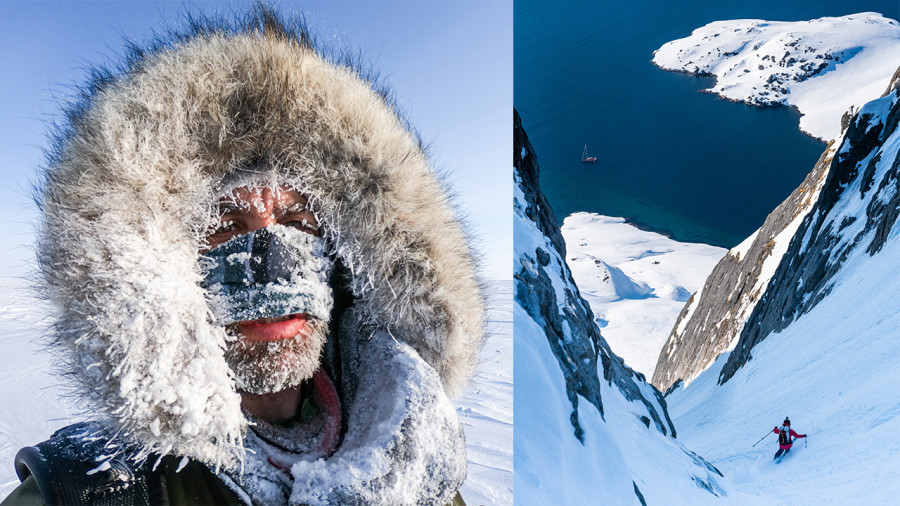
column 268, row 271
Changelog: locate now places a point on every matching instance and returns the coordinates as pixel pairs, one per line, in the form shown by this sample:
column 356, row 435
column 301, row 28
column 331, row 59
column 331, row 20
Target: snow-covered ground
column 622, row 455
column 31, row 398
column 635, row 281
column 33, row 404
column 486, row 408
column 834, row 373
column 833, row 370
column 822, row 66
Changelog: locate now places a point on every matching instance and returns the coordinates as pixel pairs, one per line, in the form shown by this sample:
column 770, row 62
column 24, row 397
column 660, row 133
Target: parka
column 126, row 199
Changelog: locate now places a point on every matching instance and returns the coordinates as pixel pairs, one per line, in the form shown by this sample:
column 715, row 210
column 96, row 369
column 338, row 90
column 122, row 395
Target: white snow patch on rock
column 771, row 263
column 741, row 249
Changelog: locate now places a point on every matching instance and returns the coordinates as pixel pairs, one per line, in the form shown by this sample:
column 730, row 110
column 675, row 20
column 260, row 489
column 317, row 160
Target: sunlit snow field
column 486, row 408
column 33, row 403
column 635, row 281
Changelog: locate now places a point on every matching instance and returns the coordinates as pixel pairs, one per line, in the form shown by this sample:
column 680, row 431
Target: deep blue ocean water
column 671, row 158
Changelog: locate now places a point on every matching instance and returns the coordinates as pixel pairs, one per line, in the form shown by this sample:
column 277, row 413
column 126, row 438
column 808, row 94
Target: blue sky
column 448, row 62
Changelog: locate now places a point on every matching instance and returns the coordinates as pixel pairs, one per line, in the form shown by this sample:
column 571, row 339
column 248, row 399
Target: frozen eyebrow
column 296, row 207
column 228, row 207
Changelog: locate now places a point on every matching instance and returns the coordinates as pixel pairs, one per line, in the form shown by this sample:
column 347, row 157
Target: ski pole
column 760, row 441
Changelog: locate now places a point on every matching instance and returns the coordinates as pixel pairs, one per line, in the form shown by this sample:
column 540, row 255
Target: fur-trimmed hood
column 126, row 202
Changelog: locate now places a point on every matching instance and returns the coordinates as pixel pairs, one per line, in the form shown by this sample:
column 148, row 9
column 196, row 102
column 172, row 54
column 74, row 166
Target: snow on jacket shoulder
column 67, row 454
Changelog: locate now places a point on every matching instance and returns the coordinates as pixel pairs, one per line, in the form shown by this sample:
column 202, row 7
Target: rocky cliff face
column 589, row 429
column 713, row 318
column 544, row 288
column 857, row 209
column 850, row 200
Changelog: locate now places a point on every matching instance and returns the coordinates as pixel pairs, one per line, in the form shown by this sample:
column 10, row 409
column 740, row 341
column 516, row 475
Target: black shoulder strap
column 69, row 468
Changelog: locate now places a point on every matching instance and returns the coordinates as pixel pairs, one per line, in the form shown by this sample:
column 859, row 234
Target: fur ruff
column 128, row 195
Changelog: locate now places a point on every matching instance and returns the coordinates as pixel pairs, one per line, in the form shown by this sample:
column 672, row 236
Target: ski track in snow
column 34, row 404
column 822, row 66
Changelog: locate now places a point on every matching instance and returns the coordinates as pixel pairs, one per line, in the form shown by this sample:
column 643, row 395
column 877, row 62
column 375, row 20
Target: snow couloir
column 589, row 429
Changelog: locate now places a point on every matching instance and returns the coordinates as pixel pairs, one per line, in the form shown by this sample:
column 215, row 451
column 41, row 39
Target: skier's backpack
column 784, row 435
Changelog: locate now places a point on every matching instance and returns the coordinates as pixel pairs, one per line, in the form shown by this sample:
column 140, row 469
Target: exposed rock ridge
column 851, row 199
column 714, row 317
column 858, row 208
column 544, row 288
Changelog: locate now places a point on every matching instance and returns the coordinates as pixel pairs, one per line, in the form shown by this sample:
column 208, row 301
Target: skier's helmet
column 787, row 421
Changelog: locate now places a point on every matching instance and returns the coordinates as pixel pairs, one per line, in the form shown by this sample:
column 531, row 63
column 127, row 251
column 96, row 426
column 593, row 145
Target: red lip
column 276, row 331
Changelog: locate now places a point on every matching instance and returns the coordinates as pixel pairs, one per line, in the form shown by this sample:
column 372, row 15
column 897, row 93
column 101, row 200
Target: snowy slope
column 31, row 400
column 636, row 281
column 589, row 430
column 834, row 373
column 618, row 454
column 822, row 66
column 33, row 404
column 822, row 344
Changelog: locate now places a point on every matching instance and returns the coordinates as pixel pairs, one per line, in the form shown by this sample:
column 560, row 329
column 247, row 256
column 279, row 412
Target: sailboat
column 587, row 159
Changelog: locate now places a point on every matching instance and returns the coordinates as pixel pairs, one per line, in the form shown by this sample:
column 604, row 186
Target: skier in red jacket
column 785, row 437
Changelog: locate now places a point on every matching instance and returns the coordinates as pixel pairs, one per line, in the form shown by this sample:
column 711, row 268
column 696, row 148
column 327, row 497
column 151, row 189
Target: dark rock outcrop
column 866, row 168
column 805, row 242
column 713, row 318
column 564, row 315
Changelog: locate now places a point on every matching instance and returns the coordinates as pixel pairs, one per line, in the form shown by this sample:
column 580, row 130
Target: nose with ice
column 268, row 273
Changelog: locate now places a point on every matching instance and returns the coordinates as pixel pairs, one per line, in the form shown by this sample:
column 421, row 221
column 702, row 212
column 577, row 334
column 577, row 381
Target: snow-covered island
column 635, row 281
column 823, row 67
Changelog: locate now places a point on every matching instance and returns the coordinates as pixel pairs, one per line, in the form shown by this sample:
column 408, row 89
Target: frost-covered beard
column 271, row 273
column 267, row 367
